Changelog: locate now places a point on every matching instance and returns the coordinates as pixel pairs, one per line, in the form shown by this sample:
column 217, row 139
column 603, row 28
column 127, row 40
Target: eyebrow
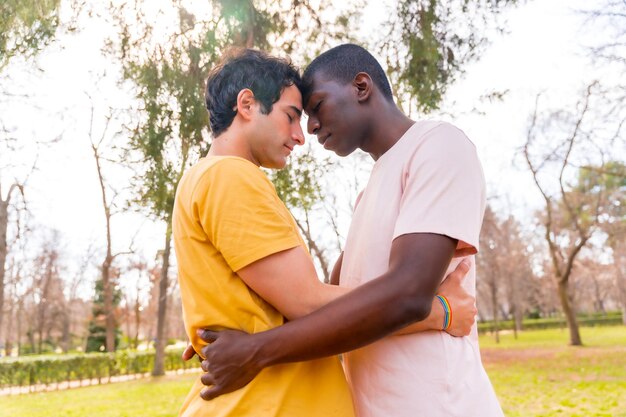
column 297, row 110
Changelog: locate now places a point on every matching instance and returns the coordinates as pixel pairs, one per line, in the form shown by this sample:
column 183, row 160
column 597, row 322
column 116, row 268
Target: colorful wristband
column 447, row 311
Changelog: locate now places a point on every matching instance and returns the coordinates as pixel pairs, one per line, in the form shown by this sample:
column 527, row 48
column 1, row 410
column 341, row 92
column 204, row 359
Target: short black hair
column 342, row 63
column 266, row 76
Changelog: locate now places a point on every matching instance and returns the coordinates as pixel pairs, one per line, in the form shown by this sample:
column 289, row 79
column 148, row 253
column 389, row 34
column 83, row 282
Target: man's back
column 227, row 215
column 430, row 181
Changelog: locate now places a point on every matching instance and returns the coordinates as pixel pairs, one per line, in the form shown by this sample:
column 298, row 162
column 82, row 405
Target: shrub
column 55, row 369
column 587, row 320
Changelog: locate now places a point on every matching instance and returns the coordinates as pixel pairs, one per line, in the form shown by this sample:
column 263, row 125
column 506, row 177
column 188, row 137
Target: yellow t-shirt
column 226, row 216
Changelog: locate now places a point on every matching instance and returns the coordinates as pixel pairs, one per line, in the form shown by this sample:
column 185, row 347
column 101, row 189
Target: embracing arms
column 401, row 296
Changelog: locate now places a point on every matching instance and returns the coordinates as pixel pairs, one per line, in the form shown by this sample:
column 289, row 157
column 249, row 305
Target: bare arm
column 288, row 281
column 312, row 294
column 401, row 296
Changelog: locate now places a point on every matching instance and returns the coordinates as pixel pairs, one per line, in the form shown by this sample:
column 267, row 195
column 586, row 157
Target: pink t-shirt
column 430, row 181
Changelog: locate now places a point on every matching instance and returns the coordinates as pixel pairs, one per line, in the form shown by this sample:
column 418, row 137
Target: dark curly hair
column 266, row 76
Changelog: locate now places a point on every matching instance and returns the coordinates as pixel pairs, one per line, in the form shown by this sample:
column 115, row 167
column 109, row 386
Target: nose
column 297, row 135
column 312, row 125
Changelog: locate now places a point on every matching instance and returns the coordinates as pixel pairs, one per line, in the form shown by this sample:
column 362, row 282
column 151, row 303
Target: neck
column 388, row 126
column 230, row 143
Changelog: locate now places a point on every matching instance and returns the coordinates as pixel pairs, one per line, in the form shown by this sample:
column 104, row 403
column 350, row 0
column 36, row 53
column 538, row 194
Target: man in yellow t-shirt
column 228, row 216
column 242, row 263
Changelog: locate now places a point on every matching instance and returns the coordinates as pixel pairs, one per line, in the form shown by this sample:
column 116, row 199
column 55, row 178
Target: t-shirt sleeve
column 241, row 214
column 443, row 189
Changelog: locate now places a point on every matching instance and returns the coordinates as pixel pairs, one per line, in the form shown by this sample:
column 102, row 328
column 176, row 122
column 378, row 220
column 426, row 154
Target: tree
column 427, row 48
column 168, row 75
column 611, row 180
column 299, row 188
column 47, row 292
column 5, row 203
column 172, row 131
column 97, row 337
column 26, row 26
column 504, row 270
column 573, row 207
column 108, row 206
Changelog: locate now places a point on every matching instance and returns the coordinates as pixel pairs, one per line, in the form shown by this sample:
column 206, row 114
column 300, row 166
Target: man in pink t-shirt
column 419, row 215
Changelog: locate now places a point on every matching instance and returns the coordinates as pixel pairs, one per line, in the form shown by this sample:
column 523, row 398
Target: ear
column 364, row 85
column 245, row 103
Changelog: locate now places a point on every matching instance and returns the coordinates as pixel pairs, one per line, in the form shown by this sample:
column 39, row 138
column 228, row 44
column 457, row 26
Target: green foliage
column 54, row 369
column 605, row 184
column 96, row 339
column 26, row 26
column 431, row 41
column 298, row 183
column 587, row 320
column 169, row 73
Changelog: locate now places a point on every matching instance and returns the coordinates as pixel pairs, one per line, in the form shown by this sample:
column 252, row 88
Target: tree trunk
column 621, row 284
column 494, row 305
column 159, row 357
column 519, row 319
column 108, row 305
column 66, row 336
column 137, row 321
column 515, row 324
column 4, row 222
column 570, row 316
column 315, row 250
column 8, row 345
column 18, row 336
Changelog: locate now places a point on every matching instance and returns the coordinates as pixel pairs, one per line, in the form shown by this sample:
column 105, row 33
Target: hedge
column 55, row 369
column 589, row 320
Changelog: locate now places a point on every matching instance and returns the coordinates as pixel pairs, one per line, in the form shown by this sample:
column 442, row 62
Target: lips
column 323, row 140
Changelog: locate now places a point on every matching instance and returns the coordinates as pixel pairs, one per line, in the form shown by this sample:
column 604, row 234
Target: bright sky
column 541, row 52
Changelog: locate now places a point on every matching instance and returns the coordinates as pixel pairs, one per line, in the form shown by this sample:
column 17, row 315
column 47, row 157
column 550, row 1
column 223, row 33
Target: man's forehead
column 291, row 97
column 320, row 84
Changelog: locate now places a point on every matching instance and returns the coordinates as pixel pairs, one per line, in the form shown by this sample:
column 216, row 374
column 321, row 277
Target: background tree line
column 569, row 258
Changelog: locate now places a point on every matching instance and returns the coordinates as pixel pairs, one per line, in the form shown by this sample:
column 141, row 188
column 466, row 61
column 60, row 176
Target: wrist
column 265, row 352
column 447, row 312
column 435, row 318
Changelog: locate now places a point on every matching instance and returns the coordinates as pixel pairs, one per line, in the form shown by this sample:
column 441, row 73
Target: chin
column 275, row 164
column 343, row 152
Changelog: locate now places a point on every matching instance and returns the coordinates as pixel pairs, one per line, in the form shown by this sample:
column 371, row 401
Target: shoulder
column 445, row 134
column 229, row 170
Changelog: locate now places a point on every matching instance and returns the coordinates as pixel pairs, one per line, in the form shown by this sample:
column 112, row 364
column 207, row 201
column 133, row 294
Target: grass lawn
column 535, row 375
column 539, row 375
column 149, row 397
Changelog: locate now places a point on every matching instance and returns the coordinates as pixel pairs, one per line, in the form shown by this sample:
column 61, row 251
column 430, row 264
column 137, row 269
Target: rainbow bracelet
column 447, row 311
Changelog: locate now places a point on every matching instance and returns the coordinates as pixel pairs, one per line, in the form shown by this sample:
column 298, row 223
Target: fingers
column 208, row 336
column 208, row 394
column 188, row 353
column 204, row 365
column 207, row 379
column 462, row 269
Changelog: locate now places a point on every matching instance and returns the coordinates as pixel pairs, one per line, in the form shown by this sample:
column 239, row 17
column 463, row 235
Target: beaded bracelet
column 447, row 311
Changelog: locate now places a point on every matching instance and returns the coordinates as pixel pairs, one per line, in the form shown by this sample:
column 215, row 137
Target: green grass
column 149, row 397
column 559, row 338
column 537, row 375
column 540, row 375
